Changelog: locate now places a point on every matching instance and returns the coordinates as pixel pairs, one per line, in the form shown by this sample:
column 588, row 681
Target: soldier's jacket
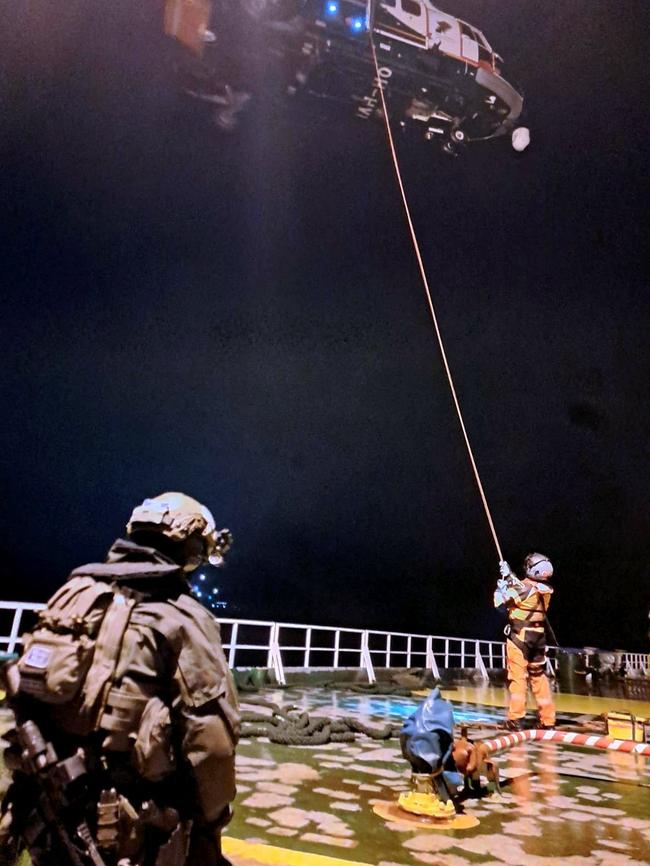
column 122, row 649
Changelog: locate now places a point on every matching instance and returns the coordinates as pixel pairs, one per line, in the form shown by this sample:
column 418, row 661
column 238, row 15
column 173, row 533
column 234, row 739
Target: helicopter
column 439, row 75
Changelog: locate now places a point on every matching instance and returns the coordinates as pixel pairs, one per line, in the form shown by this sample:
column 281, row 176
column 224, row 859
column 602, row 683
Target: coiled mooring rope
column 289, row 727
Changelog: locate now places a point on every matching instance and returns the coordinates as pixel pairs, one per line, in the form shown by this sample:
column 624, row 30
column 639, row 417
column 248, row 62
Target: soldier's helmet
column 180, row 518
column 538, row 567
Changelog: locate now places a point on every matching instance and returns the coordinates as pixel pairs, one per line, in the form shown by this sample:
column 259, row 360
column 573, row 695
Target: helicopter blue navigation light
column 332, row 7
column 357, row 24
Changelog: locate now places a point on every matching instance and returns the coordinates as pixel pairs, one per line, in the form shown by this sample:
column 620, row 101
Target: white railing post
column 276, row 656
column 307, row 647
column 446, row 653
column 479, row 662
column 409, row 644
column 15, row 630
column 337, row 646
column 273, row 641
column 388, row 646
column 365, row 655
column 233, row 646
column 432, row 664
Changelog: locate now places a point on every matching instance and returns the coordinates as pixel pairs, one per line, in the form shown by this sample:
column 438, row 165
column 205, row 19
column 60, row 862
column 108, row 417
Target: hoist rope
column 418, row 254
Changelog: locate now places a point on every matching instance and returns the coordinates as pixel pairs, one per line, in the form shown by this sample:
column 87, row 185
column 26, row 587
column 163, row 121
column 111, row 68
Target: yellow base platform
column 389, row 810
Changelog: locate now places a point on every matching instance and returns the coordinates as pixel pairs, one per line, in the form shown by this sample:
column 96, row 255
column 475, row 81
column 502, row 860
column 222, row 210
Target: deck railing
column 284, row 647
column 15, row 611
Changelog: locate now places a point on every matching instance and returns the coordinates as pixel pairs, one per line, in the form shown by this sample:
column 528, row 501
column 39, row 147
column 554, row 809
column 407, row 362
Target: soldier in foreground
column 527, row 601
column 126, row 714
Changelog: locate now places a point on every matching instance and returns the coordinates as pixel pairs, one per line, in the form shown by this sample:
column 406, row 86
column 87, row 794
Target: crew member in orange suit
column 527, row 601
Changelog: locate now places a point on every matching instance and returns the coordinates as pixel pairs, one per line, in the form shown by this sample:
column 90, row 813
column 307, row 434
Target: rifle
column 56, row 781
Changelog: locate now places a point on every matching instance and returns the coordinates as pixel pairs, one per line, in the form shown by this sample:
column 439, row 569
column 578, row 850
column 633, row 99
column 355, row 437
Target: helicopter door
column 444, row 33
column 405, row 20
column 414, row 16
column 469, row 43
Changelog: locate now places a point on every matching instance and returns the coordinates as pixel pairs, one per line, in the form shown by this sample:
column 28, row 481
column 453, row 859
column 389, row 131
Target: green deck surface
column 561, row 805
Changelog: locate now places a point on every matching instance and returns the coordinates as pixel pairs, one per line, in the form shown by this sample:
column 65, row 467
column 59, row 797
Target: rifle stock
column 54, row 778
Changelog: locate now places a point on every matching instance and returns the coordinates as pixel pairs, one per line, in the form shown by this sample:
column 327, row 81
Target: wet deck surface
column 312, row 806
column 561, row 805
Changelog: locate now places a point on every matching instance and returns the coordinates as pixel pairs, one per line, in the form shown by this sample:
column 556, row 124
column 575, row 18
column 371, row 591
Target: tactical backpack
column 70, row 656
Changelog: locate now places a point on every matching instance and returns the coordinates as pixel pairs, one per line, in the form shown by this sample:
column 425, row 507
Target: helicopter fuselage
column 439, row 75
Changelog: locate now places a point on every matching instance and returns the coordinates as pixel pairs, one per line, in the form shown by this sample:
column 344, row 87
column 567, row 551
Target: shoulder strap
column 107, row 649
column 76, row 598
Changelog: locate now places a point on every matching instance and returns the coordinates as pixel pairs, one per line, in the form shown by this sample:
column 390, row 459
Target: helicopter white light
column 520, row 138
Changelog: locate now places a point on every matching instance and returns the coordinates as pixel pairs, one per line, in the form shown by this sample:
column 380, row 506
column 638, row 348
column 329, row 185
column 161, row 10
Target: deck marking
column 573, row 738
column 269, row 855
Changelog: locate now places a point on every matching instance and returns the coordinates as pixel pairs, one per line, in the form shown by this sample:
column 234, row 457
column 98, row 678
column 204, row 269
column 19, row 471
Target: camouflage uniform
column 125, row 664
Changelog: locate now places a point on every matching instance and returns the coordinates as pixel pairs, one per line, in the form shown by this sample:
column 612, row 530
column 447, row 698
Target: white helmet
column 538, row 567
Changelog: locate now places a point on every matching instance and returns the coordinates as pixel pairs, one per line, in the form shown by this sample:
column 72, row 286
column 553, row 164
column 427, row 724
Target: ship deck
column 313, row 806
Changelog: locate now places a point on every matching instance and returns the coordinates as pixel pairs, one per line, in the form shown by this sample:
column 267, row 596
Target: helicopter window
column 466, row 30
column 411, row 8
column 481, row 39
column 484, row 54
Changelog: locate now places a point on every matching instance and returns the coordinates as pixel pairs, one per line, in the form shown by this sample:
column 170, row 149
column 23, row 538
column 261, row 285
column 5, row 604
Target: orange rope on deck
column 418, row 254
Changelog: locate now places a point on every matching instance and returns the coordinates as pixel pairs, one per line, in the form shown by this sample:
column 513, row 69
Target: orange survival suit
column 527, row 602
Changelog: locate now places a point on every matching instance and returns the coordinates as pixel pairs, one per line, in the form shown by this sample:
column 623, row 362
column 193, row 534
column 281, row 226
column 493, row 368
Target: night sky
column 241, row 318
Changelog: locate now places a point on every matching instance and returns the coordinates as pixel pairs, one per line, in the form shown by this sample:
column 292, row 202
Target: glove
column 500, row 592
column 504, row 569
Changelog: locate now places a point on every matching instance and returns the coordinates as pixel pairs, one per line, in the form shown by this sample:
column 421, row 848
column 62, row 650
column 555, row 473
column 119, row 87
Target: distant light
column 201, row 577
column 331, row 7
column 215, row 591
column 357, row 24
column 198, row 593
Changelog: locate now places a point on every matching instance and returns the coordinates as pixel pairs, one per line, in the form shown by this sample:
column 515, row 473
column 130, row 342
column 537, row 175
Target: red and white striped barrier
column 507, row 741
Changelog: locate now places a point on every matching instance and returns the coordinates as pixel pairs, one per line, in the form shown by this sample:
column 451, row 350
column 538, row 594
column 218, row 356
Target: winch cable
column 425, row 282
